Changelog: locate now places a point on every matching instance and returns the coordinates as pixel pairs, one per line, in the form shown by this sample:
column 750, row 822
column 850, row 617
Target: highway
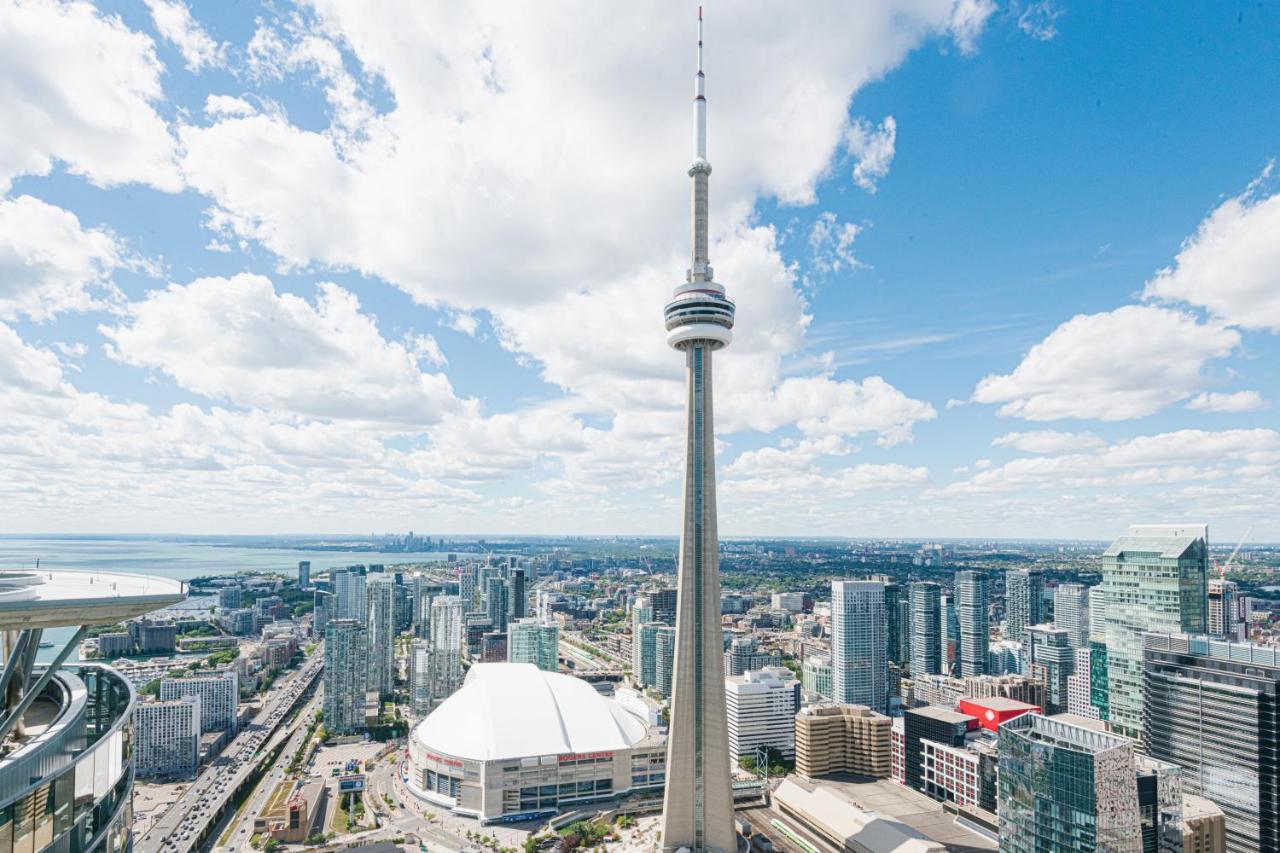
column 242, row 829
column 183, row 827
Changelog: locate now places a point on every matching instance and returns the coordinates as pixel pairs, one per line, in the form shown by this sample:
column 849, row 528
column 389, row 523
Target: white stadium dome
column 514, row 710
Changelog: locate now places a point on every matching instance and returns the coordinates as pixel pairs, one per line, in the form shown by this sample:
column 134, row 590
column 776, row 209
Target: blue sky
column 1003, row 269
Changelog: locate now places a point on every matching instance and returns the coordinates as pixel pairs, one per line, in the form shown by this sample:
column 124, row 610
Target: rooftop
column 515, row 710
column 945, row 715
column 58, row 599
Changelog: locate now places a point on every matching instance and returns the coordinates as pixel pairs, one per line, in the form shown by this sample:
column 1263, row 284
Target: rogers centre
column 516, row 741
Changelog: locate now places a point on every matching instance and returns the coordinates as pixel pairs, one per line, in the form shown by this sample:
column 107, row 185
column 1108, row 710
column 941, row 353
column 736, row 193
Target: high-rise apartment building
column 1066, row 788
column 349, row 596
column 744, row 653
column 842, row 739
column 664, row 659
column 641, row 615
column 1097, row 613
column 166, row 743
column 517, row 597
column 950, row 639
column 446, row 647
column 1023, row 601
column 859, row 651
column 664, row 605
column 497, row 601
column 1071, row 612
column 697, row 808
column 381, row 593
column 971, row 614
column 926, row 629
column 219, row 697
column 1155, row 581
column 304, row 574
column 1080, row 687
column 761, row 708
column 346, row 670
column 420, row 678
column 903, row 651
column 1049, row 659
column 1212, row 707
column 321, row 608
column 892, row 620
column 1224, row 610
column 535, row 642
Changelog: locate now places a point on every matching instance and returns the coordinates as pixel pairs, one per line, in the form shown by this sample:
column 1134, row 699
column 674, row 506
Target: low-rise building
column 842, row 739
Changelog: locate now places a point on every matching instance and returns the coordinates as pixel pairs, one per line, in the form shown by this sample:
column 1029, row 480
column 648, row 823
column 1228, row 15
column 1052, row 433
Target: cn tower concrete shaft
column 698, row 800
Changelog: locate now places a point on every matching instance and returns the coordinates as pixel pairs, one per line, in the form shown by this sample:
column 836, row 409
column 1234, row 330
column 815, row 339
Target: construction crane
column 1222, row 569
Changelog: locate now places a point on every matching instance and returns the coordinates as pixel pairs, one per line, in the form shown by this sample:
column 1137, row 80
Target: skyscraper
column 893, row 628
column 1155, row 578
column 1071, row 612
column 697, row 803
column 497, row 598
column 420, row 678
column 349, row 596
column 641, row 614
column 971, row 612
column 1066, row 788
column 446, row 647
column 346, row 667
column 517, row 602
column 535, row 642
column 381, row 593
column 926, row 628
column 1224, row 610
column 1047, row 657
column 1023, row 602
column 1211, row 707
column 859, row 663
column 1097, row 614
column 304, row 574
column 949, row 642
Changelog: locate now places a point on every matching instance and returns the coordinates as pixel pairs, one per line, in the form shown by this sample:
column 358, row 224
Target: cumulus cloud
column 1239, row 401
column 1231, row 265
column 84, row 93
column 1047, row 441
column 872, row 149
column 49, row 263
column 174, row 23
column 1116, row 365
column 238, row 340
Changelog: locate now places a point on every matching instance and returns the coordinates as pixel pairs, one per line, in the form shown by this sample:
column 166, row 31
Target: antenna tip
column 699, row 13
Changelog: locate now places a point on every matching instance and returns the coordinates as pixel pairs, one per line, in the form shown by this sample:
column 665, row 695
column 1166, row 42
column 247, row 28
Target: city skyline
column 290, row 279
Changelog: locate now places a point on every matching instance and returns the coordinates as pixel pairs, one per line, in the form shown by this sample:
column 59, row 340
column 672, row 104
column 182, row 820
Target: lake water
column 181, row 559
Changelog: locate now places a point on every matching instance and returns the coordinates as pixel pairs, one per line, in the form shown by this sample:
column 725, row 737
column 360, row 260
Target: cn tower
column 697, row 809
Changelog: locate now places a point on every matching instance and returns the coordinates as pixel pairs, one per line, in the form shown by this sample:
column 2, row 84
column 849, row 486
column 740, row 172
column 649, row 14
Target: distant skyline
column 1005, row 270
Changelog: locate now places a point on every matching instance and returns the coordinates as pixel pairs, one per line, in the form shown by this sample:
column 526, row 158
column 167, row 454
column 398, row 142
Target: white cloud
column 1040, row 20
column 1239, row 401
column 1231, row 265
column 1116, row 365
column 238, row 340
column 174, row 23
column 217, row 106
column 49, row 263
column 82, row 91
column 872, row 148
column 831, row 242
column 968, row 18
column 1047, row 441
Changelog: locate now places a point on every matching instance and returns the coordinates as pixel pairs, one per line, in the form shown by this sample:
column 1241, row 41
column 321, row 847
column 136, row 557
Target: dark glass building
column 930, row 723
column 1209, row 706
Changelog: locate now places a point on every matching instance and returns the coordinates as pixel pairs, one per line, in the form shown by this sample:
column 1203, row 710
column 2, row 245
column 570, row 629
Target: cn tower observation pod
column 66, row 733
column 44, row 599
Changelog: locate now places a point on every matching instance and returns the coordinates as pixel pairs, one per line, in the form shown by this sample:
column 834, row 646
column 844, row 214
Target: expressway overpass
column 189, row 822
